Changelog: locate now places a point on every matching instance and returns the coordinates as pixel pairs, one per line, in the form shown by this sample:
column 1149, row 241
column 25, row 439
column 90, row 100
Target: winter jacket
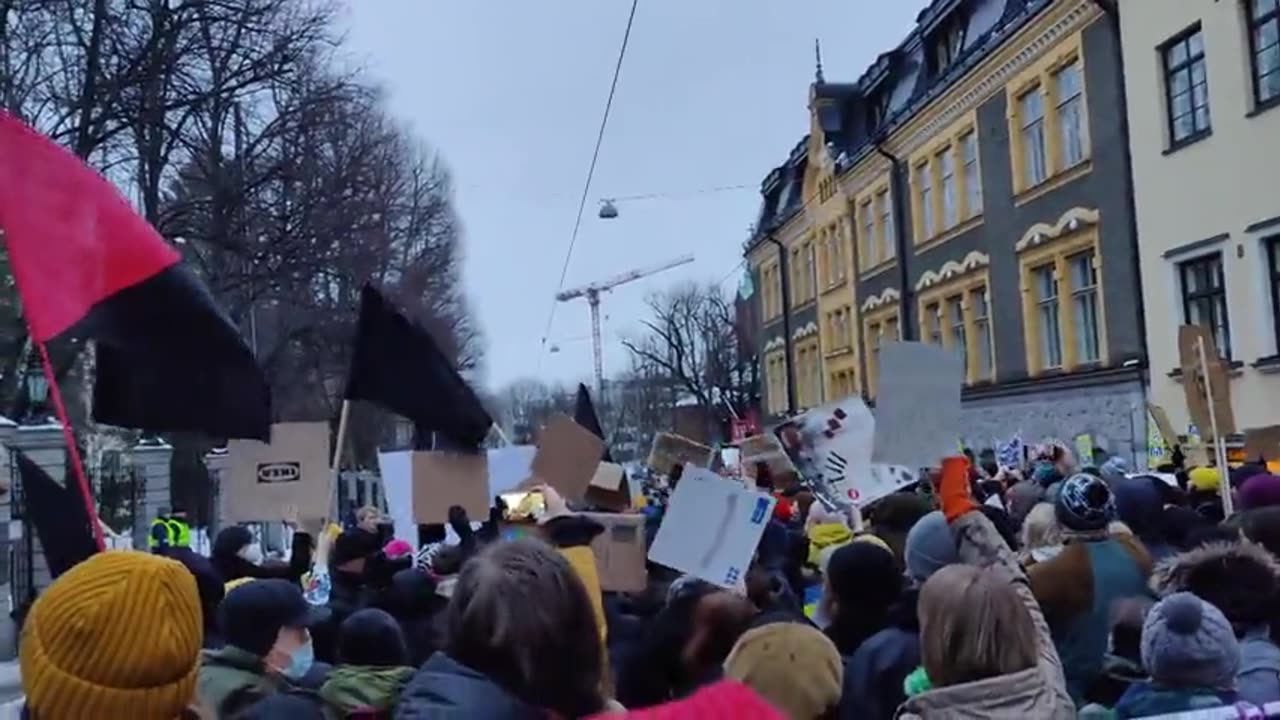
column 1240, row 579
column 1144, row 700
column 209, row 584
column 231, row 680
column 573, row 535
column 412, row 600
column 873, row 675
column 444, row 689
column 1076, row 589
column 363, row 691
column 225, row 557
column 1039, row 692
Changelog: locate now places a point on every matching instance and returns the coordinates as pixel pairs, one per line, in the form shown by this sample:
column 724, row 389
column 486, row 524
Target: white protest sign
column 509, row 466
column 711, row 528
column 396, row 470
column 832, row 447
column 918, row 404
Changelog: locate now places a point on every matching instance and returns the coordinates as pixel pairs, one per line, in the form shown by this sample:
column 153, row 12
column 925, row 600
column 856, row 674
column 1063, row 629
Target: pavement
column 10, row 681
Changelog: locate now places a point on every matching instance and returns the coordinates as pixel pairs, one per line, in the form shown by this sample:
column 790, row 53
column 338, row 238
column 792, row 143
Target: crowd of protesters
column 1053, row 590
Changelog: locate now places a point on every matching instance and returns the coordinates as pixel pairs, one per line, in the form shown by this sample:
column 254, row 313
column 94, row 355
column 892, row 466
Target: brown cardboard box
column 444, row 479
column 1196, row 382
column 567, row 458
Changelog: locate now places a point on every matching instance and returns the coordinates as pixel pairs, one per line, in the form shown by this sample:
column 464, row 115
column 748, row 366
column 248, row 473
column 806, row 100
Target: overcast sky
column 713, row 93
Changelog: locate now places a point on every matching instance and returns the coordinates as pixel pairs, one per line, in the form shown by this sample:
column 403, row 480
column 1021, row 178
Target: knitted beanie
column 1188, row 643
column 373, row 638
column 1204, row 479
column 793, row 666
column 118, row 635
column 1259, row 491
column 930, row 547
column 1084, row 504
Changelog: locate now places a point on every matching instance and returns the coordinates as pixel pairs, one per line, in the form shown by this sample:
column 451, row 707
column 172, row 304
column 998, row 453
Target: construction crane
column 592, row 294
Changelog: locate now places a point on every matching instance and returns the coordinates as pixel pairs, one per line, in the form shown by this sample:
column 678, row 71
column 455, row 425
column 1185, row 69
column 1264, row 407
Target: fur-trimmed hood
column 1240, row 578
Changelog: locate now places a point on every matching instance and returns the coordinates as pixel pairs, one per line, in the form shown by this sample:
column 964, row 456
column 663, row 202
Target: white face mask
column 252, row 553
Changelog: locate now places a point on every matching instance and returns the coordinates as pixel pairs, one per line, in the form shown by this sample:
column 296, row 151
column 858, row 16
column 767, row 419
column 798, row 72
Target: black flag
column 397, row 365
column 584, row 413
column 58, row 515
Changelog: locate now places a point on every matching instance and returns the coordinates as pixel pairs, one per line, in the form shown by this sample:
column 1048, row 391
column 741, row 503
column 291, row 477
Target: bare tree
column 692, row 340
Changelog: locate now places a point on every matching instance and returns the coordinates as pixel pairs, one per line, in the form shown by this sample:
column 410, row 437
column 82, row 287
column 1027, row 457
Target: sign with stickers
column 711, row 528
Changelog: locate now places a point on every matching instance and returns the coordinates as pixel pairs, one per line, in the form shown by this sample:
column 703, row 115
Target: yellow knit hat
column 1205, row 479
column 117, row 636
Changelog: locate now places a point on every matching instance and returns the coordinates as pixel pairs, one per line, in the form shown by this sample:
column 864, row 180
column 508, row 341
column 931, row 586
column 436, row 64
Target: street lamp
column 608, row 210
column 37, row 391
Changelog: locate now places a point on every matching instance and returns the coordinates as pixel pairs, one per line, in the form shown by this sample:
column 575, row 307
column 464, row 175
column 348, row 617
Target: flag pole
column 1219, row 447
column 501, row 435
column 341, row 439
column 77, row 466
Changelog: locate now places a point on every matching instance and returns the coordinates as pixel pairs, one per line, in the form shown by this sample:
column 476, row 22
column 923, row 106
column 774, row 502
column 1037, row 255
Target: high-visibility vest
column 179, row 533
column 168, row 533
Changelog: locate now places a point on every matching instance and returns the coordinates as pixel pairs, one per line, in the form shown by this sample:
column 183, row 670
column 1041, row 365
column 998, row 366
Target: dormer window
column 947, row 43
column 877, row 110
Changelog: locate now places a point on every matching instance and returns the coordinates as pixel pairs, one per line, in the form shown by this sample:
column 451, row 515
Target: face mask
column 252, row 553
column 300, row 661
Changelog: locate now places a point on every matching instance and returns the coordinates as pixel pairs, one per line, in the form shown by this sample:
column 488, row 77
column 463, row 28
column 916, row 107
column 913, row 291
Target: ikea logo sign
column 279, row 472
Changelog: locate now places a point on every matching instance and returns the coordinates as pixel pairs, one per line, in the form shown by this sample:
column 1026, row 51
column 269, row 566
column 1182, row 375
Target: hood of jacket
column 1239, row 578
column 1020, row 695
column 359, row 687
column 443, row 689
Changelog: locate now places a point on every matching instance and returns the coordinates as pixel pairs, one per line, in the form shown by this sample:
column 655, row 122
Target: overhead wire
column 591, row 171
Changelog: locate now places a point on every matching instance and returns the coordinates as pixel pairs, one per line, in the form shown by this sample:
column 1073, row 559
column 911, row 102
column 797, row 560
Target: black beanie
column 372, row 637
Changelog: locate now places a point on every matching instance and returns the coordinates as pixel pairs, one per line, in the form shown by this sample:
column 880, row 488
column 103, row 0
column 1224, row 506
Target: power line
column 591, row 171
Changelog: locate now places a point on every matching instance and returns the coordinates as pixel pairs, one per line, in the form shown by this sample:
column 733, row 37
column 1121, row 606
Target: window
column 1050, row 334
column 924, row 181
column 1084, row 305
column 972, row 175
column 836, row 237
column 877, row 242
column 870, row 243
column 1031, row 107
column 1204, row 299
column 1273, row 264
column 955, row 313
column 1186, row 87
column 1069, row 90
column 950, row 213
column 931, row 323
column 1264, row 49
column 771, row 292
column 878, row 327
column 888, row 239
column 810, row 271
column 982, row 334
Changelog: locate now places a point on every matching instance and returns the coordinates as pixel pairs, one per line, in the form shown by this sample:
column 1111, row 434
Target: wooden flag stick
column 1219, row 446
column 501, row 435
column 341, row 439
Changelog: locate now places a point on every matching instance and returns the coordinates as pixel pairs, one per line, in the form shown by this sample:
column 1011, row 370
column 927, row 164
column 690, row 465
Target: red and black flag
column 584, row 413
column 60, row 520
column 398, row 365
column 88, row 266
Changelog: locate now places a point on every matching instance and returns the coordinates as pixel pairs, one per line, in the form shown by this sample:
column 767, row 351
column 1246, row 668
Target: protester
column 725, row 699
column 1140, row 506
column 1041, row 535
column 862, row 583
column 985, row 647
column 357, row 563
column 413, row 601
column 1021, row 498
column 1241, row 579
column 1259, row 491
column 893, row 517
column 268, row 647
column 237, row 554
column 875, row 671
column 116, row 636
column 1177, row 523
column 520, row 641
column 792, row 666
column 373, row 666
column 1192, row 655
column 930, row 547
column 1077, row 587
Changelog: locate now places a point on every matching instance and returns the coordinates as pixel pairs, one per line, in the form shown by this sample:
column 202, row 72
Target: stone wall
column 1114, row 415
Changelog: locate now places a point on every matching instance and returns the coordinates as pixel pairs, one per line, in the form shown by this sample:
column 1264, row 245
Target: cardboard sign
column 1263, row 442
column 609, row 488
column 711, row 528
column 609, row 476
column 918, row 404
column 286, row 479
column 766, row 448
column 620, row 552
column 1163, row 426
column 670, row 450
column 1084, row 449
column 1197, row 381
column 567, row 457
column 444, row 479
